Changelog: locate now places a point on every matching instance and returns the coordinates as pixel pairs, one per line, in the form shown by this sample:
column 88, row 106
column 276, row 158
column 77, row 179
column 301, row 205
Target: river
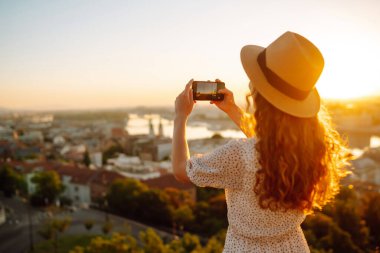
column 198, row 130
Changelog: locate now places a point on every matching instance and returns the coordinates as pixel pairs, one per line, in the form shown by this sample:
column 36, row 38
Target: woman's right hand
column 231, row 109
column 228, row 103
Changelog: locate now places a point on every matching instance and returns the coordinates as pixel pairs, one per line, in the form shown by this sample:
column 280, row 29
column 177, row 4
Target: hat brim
column 306, row 108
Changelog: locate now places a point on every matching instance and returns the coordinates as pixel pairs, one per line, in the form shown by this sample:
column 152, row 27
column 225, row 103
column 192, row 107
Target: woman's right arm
column 237, row 115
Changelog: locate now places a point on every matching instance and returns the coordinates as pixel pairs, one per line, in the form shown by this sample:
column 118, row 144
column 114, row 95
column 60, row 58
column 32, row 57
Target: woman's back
column 233, row 167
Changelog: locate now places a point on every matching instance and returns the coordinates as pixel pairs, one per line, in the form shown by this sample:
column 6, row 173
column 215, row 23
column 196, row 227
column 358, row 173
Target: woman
column 290, row 163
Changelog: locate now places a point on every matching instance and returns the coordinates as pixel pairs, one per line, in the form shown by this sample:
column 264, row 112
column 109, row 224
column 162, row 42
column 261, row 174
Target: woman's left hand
column 184, row 102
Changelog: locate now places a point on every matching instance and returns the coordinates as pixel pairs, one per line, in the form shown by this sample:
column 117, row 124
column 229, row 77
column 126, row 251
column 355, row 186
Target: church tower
column 151, row 129
column 160, row 129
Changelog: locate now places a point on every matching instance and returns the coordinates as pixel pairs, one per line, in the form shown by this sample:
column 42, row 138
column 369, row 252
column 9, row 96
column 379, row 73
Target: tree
column 372, row 216
column 117, row 243
column 206, row 193
column 65, row 201
column 322, row 232
column 178, row 198
column 51, row 229
column 213, row 246
column 217, row 136
column 107, row 227
column 346, row 212
column 154, row 206
column 123, row 196
column 111, row 151
column 48, row 186
column 152, row 242
column 210, row 216
column 183, row 216
column 88, row 224
column 188, row 243
column 347, row 216
column 86, row 158
column 10, row 181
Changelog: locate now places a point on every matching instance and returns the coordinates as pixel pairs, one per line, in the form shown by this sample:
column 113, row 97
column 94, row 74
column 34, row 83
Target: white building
column 76, row 182
column 59, row 140
column 367, row 170
column 32, row 137
column 163, row 150
column 96, row 159
column 78, row 190
column 7, row 133
column 133, row 167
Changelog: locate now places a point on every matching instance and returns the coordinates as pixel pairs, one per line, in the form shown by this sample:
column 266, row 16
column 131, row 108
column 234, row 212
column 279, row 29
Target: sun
column 340, row 91
column 344, row 80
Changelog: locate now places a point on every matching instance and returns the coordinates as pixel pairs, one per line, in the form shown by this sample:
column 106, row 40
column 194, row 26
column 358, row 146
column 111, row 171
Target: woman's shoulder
column 243, row 142
column 245, row 147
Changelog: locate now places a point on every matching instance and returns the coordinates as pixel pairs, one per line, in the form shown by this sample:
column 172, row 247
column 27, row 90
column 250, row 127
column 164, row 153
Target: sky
column 104, row 54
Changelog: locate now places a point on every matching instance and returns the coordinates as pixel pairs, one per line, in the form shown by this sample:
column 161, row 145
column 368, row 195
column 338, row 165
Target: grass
column 65, row 243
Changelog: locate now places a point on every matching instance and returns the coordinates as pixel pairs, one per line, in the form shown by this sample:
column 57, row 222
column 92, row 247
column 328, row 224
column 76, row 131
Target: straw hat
column 285, row 73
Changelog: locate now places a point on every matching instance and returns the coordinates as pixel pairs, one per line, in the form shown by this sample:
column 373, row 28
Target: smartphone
column 207, row 90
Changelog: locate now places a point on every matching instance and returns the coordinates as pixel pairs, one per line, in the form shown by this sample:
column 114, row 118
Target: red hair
column 302, row 159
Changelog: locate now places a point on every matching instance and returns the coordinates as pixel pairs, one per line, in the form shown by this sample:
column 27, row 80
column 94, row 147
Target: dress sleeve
column 221, row 168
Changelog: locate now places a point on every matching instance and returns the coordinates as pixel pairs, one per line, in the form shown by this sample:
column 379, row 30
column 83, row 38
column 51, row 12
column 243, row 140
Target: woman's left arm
column 184, row 104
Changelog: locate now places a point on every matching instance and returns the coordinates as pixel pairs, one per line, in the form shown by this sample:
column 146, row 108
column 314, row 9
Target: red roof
column 167, row 181
column 78, row 174
column 118, row 132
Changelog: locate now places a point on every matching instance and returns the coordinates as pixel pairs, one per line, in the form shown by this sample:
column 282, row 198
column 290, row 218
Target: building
column 7, row 134
column 156, row 149
column 73, row 153
column 367, row 170
column 133, row 167
column 100, row 184
column 367, row 167
column 32, row 137
column 75, row 179
column 77, row 184
column 96, row 159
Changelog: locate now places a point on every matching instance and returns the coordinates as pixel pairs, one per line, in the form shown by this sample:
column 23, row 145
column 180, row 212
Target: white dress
column 251, row 229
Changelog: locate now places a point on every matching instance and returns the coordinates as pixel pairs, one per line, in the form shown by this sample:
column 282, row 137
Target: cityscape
column 90, row 127
column 90, row 150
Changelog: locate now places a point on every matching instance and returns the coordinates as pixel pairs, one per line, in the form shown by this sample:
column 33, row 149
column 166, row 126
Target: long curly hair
column 302, row 159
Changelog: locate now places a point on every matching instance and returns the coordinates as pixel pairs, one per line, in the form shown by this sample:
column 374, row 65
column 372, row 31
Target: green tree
column 10, row 181
column 183, row 216
column 86, row 158
column 213, row 246
column 154, row 207
column 123, row 197
column 52, row 228
column 178, row 198
column 117, row 243
column 111, row 151
column 206, row 193
column 322, row 233
column 188, row 243
column 152, row 242
column 88, row 224
column 48, row 186
column 347, row 216
column 347, row 211
column 216, row 243
column 372, row 217
column 107, row 227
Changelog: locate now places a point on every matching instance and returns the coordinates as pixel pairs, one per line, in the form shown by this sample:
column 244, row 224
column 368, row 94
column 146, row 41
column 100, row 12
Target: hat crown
column 295, row 60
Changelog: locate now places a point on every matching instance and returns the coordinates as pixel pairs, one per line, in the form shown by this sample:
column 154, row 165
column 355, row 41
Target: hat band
column 277, row 82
